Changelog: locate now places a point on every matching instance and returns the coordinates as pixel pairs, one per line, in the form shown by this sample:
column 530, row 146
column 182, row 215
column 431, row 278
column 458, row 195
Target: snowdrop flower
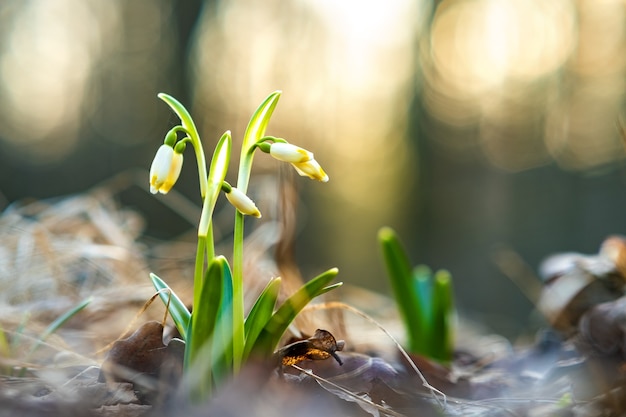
column 301, row 159
column 242, row 202
column 311, row 169
column 165, row 169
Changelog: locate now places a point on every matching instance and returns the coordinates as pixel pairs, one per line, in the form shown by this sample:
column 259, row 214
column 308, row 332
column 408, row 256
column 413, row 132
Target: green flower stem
column 198, row 278
column 245, row 166
column 254, row 132
column 217, row 173
column 238, row 307
column 210, row 246
column 210, row 185
column 190, row 127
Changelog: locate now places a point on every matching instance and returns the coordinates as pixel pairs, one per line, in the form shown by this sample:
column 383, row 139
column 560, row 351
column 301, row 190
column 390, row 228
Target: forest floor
column 55, row 254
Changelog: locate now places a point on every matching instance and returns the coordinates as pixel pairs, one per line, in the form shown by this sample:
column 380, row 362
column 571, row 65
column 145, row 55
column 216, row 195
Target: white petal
column 290, row 153
column 165, row 169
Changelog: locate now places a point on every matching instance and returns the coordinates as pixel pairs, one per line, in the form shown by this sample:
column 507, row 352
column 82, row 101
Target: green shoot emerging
column 425, row 301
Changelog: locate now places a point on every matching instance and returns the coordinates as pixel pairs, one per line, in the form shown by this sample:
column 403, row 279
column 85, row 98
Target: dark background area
column 470, row 127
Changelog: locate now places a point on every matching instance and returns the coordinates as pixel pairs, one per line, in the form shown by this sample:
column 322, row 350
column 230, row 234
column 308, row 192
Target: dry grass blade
column 131, row 324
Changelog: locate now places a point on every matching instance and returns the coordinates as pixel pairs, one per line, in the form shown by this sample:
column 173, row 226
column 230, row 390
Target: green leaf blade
column 221, row 159
column 259, row 121
column 222, row 340
column 217, row 174
column 60, row 321
column 179, row 109
column 206, row 313
column 401, row 278
column 199, row 352
column 423, row 288
column 287, row 312
column 260, row 314
column 178, row 310
column 441, row 335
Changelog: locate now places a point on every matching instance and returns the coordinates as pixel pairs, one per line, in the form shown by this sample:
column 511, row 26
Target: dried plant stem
column 131, row 323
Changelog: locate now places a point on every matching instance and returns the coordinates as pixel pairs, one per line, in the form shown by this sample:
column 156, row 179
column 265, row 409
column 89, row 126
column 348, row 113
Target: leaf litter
column 56, row 253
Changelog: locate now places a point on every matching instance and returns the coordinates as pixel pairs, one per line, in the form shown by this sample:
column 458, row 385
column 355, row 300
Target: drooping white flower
column 290, row 153
column 165, row 169
column 242, row 202
column 311, row 169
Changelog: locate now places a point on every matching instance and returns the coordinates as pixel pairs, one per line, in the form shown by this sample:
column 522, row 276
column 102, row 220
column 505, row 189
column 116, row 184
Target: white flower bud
column 242, row 202
column 165, row 169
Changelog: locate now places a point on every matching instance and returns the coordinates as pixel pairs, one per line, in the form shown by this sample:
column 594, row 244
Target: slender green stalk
column 238, row 306
column 210, row 246
column 254, row 132
column 217, row 173
column 209, row 187
column 198, row 275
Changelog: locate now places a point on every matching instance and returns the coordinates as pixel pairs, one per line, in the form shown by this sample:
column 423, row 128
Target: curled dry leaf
column 602, row 330
column 322, row 345
column 574, row 283
column 602, row 339
column 142, row 357
column 140, row 353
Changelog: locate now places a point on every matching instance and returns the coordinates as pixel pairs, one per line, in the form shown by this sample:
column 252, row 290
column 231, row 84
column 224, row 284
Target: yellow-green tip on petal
column 311, row 169
column 243, row 203
column 165, row 169
column 290, row 153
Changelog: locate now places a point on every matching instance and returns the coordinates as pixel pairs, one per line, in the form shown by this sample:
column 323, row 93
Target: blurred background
column 482, row 130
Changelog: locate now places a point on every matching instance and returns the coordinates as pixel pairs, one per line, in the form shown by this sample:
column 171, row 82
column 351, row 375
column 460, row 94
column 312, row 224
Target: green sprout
column 424, row 300
column 218, row 337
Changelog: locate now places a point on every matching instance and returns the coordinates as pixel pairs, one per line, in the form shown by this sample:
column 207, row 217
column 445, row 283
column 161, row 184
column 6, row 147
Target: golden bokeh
column 367, row 86
column 538, row 81
column 70, row 64
column 347, row 73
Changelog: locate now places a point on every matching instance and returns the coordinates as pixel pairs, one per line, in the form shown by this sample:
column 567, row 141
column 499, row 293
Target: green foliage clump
column 424, row 300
